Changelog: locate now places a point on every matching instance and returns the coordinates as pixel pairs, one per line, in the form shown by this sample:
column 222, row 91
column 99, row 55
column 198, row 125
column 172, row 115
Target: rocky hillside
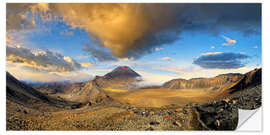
column 21, row 93
column 83, row 92
column 203, row 82
column 250, row 79
column 51, row 87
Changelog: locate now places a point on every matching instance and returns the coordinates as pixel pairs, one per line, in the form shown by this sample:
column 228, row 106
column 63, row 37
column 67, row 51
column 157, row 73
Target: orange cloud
column 229, row 41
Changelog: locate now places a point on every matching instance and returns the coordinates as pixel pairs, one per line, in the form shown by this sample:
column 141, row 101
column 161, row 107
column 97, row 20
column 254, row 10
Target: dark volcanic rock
column 154, row 123
column 250, row 79
column 218, row 116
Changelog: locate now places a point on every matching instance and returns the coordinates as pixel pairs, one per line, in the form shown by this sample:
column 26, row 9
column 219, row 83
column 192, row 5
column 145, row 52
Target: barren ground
column 145, row 109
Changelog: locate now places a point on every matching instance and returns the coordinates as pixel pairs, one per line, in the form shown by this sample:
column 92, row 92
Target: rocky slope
column 250, row 79
column 220, row 114
column 214, row 83
column 51, row 87
column 83, row 92
column 21, row 93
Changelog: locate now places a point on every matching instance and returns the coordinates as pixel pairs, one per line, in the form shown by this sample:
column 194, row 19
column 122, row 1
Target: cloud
column 212, row 47
column 167, row 58
column 22, row 16
column 8, row 40
column 98, row 54
column 255, row 47
column 81, row 57
column 229, row 41
column 221, row 60
column 21, row 73
column 86, row 64
column 194, row 71
column 150, row 79
column 211, row 53
column 158, row 49
column 42, row 60
column 133, row 30
column 66, row 33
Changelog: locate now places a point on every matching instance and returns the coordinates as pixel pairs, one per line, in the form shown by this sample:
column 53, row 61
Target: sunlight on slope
column 114, row 90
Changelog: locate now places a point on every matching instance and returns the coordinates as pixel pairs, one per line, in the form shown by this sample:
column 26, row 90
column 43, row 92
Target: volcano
column 122, row 77
column 122, row 72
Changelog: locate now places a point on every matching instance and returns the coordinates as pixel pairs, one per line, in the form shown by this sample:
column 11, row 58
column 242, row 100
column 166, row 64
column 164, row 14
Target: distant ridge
column 217, row 81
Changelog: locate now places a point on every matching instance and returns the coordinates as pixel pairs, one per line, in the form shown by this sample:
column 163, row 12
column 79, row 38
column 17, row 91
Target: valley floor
column 141, row 110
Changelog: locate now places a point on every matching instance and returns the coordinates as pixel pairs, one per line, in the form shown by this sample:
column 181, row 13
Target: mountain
column 214, row 83
column 83, row 92
column 250, row 79
column 23, row 94
column 122, row 72
column 123, row 77
column 51, row 87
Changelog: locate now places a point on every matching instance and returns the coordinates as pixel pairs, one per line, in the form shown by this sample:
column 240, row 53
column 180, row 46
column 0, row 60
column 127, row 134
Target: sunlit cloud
column 229, row 41
column 167, row 58
column 43, row 60
column 211, row 53
column 134, row 30
column 21, row 73
column 86, row 64
column 123, row 33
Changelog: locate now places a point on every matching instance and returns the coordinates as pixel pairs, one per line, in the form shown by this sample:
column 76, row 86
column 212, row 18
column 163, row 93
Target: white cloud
column 158, row 49
column 255, row 47
column 197, row 72
column 212, row 47
column 150, row 79
column 229, row 41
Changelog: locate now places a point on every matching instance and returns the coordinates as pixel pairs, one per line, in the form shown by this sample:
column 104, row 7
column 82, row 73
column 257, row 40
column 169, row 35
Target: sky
column 76, row 42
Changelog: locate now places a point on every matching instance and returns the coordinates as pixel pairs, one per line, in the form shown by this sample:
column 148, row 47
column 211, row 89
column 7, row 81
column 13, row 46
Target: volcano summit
column 122, row 72
column 122, row 77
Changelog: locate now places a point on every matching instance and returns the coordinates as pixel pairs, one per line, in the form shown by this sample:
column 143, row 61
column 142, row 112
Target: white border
column 265, row 56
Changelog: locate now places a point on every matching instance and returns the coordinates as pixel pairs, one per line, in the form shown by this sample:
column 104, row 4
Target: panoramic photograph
column 132, row 66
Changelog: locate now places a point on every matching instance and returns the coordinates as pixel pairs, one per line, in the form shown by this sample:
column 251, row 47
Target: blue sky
column 163, row 61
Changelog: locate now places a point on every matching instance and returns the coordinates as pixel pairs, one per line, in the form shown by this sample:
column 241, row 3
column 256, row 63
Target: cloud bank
column 133, row 30
column 221, row 60
column 42, row 60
